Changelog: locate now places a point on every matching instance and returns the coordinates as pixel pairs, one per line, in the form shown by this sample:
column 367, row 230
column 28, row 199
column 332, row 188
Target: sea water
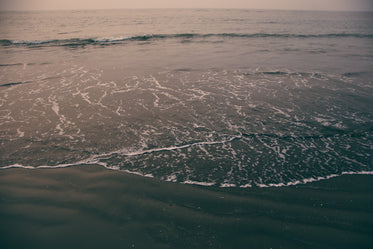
column 232, row 98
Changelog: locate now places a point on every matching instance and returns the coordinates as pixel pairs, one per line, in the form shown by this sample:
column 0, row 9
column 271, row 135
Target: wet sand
column 93, row 207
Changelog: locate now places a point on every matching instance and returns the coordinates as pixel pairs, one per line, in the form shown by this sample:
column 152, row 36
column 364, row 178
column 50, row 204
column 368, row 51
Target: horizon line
column 180, row 8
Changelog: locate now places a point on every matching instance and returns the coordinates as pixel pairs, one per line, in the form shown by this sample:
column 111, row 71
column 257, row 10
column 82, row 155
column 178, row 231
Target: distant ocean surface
column 232, row 98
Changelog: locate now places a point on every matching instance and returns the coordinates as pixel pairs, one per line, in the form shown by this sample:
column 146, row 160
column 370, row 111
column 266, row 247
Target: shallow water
column 214, row 97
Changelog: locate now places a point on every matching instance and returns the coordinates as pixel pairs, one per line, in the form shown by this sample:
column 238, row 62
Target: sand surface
column 93, row 207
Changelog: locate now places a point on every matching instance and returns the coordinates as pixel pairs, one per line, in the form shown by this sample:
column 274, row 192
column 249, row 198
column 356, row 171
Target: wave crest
column 76, row 42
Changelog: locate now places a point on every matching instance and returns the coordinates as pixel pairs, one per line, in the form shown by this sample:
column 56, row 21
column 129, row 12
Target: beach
column 186, row 128
column 89, row 206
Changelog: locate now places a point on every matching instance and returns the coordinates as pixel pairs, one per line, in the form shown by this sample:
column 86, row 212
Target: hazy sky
column 255, row 4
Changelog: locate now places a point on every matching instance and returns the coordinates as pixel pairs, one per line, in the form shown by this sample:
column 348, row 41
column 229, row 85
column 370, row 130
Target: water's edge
column 207, row 184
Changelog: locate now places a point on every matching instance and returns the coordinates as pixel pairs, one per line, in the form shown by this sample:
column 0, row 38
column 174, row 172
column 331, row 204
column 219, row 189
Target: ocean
column 232, row 98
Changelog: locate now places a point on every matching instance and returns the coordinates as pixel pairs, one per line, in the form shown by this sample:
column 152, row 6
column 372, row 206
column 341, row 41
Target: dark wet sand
column 92, row 207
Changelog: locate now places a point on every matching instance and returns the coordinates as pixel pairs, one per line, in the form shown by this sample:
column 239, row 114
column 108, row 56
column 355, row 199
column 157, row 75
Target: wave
column 14, row 83
column 11, row 64
column 99, row 159
column 207, row 184
column 76, row 42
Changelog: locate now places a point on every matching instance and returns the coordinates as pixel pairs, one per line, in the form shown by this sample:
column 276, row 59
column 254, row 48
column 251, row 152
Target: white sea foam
column 55, row 107
column 246, row 186
column 173, row 177
column 171, row 148
column 199, row 183
column 111, row 39
column 227, row 185
column 138, row 173
column 156, row 101
column 281, row 112
column 95, row 159
column 317, row 179
column 20, row 133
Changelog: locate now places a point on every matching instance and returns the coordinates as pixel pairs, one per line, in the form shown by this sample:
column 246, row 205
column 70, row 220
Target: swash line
column 275, row 185
column 95, row 160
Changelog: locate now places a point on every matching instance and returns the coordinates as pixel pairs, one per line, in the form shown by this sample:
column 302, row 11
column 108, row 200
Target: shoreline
column 89, row 206
column 190, row 182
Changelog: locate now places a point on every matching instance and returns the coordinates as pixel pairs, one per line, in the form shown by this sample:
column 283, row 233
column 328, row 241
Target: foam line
column 96, row 160
column 172, row 148
column 199, row 183
column 224, row 185
column 309, row 180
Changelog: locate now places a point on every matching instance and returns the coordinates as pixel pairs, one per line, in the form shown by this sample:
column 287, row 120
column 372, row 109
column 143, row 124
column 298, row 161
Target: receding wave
column 100, row 159
column 223, row 185
column 76, row 42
